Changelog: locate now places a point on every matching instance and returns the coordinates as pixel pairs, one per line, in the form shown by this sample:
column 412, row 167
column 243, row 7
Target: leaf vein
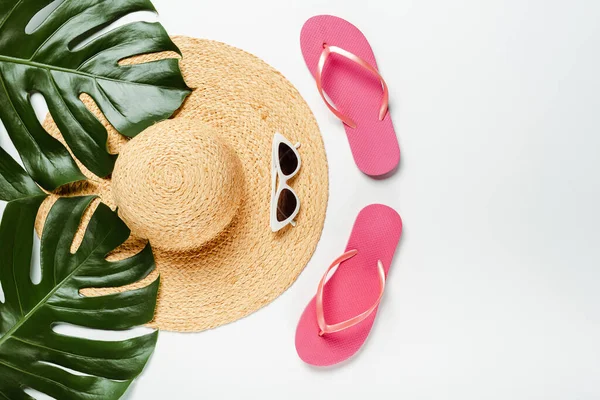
column 10, row 13
column 5, row 396
column 108, row 99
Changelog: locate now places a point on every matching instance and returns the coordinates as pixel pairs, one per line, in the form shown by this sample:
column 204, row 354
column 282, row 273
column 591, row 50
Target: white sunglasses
column 285, row 164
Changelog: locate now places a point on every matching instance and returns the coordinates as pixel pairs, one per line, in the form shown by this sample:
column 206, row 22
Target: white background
column 494, row 293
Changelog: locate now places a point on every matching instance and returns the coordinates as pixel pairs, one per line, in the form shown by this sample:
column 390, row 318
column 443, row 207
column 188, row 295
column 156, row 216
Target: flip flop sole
column 355, row 92
column 352, row 289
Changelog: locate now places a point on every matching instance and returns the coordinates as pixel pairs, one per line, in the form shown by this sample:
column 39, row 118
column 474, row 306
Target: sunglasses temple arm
column 273, row 181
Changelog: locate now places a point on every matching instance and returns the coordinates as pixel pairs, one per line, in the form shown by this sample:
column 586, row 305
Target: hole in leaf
column 35, row 269
column 37, row 395
column 69, row 370
column 83, row 224
column 115, row 140
column 2, row 299
column 7, row 144
column 99, row 334
column 87, row 37
column 141, row 58
column 129, row 248
column 40, row 107
column 38, row 19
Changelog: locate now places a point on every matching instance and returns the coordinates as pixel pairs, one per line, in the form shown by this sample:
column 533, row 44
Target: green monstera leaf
column 14, row 181
column 58, row 61
column 32, row 354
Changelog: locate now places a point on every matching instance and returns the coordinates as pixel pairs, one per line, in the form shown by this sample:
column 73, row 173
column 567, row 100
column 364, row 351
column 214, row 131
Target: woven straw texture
column 198, row 187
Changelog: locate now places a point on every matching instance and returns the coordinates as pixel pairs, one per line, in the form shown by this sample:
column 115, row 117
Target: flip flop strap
column 327, row 329
column 327, row 51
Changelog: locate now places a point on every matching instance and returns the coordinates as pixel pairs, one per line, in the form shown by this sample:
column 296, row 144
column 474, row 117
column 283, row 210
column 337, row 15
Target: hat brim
column 247, row 266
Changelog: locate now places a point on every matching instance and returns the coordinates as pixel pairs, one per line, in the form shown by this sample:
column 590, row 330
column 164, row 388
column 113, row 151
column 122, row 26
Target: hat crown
column 178, row 184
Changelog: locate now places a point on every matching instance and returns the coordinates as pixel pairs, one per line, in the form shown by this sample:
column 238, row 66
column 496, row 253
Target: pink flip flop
column 342, row 62
column 339, row 318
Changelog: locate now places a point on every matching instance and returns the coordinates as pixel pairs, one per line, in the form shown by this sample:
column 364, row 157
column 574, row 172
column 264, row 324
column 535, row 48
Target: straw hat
column 198, row 187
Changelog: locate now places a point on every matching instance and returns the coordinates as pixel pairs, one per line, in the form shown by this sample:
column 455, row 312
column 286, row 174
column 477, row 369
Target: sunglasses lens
column 287, row 159
column 286, row 205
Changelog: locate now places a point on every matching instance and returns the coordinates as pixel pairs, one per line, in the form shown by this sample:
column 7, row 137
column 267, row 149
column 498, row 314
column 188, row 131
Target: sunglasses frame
column 277, row 188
